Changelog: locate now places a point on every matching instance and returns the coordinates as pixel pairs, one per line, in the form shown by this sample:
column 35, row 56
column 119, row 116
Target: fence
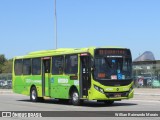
column 6, row 81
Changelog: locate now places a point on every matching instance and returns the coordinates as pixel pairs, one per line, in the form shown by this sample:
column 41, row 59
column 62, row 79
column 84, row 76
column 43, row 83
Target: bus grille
column 116, row 94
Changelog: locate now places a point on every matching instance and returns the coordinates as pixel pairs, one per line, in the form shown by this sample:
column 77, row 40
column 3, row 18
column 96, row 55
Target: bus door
column 85, row 78
column 46, row 63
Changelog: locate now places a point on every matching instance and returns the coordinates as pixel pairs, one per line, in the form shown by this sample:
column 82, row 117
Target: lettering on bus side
column 62, row 80
column 33, row 81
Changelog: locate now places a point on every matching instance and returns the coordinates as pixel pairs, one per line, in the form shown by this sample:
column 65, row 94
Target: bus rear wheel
column 33, row 94
column 75, row 98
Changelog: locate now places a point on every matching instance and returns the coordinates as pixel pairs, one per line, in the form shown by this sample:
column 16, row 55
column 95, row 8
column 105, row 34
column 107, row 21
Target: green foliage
column 7, row 68
column 2, row 61
column 5, row 65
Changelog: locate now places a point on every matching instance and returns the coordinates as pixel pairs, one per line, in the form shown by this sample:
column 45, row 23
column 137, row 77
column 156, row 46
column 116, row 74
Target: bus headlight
column 99, row 89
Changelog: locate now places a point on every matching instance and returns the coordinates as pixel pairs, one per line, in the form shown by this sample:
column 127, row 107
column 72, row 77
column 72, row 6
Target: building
column 146, row 70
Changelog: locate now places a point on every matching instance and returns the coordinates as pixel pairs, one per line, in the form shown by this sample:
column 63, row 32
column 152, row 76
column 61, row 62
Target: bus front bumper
column 96, row 95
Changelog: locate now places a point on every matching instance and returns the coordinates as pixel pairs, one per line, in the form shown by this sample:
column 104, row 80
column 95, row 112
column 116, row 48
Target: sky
column 28, row 25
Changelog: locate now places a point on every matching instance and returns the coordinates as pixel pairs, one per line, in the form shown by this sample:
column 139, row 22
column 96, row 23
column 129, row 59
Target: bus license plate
column 117, row 95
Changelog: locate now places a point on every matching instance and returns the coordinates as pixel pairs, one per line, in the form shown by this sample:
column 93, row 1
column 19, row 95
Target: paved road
column 144, row 100
column 9, row 102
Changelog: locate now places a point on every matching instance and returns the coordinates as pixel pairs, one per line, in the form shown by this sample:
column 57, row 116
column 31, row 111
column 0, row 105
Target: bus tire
column 75, row 98
column 33, row 94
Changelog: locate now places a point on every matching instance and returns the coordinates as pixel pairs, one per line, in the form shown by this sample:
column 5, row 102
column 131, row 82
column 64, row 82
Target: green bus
column 103, row 74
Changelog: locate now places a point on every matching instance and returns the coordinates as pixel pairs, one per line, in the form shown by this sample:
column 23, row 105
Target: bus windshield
column 112, row 67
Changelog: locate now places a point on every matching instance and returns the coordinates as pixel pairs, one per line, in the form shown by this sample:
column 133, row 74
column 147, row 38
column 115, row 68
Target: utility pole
column 55, row 24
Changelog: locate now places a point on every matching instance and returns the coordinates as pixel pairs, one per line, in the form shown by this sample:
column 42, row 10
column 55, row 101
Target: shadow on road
column 84, row 104
column 99, row 104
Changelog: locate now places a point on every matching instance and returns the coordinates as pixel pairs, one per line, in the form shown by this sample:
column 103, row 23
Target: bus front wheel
column 75, row 98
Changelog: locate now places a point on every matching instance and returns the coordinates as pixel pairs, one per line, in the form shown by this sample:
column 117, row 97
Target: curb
column 148, row 94
column 4, row 92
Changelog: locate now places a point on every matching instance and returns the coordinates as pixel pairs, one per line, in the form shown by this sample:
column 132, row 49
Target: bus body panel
column 22, row 84
column 60, row 86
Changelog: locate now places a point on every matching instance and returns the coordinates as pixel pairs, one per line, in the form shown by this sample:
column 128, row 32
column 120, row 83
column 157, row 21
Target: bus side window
column 18, row 66
column 26, row 66
column 71, row 64
column 36, row 66
column 57, row 65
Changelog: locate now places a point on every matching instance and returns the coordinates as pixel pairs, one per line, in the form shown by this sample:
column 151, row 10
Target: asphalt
column 137, row 91
column 147, row 91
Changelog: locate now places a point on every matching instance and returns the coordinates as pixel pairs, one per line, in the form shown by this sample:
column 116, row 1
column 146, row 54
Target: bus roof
column 61, row 51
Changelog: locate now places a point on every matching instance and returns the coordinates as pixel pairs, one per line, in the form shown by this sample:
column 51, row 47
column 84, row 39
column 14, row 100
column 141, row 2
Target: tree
column 7, row 67
column 2, row 61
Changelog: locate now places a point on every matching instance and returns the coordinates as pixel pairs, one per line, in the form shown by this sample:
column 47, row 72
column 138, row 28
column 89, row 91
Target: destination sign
column 111, row 52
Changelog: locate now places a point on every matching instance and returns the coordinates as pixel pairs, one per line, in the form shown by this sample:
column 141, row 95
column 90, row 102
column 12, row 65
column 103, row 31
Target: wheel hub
column 75, row 96
column 33, row 94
